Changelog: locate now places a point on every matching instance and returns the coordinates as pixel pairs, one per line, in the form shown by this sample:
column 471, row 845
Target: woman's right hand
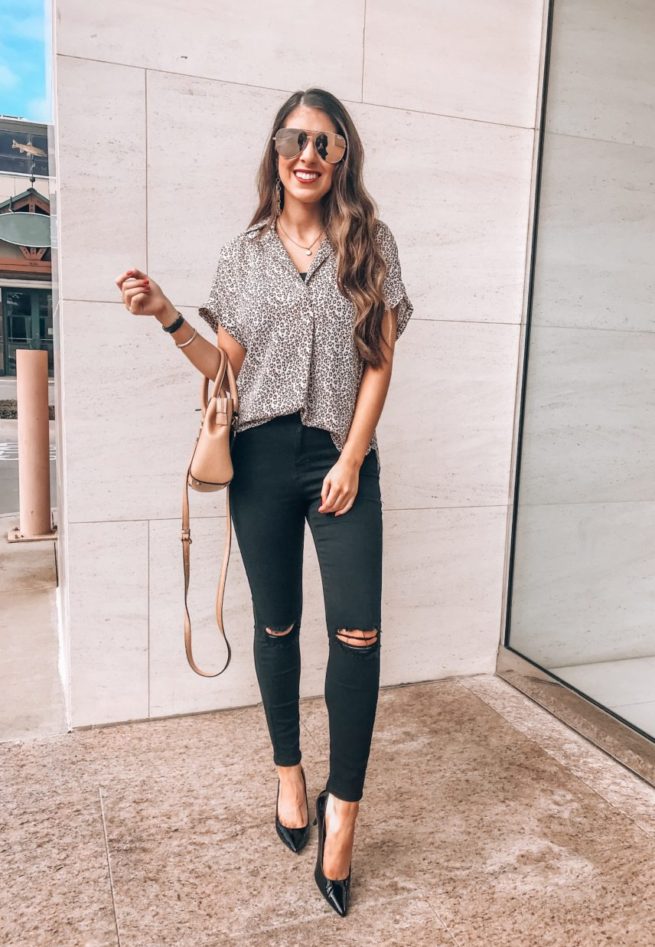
column 141, row 296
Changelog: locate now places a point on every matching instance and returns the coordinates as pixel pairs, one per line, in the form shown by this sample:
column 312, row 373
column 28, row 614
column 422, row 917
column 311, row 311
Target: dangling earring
column 278, row 195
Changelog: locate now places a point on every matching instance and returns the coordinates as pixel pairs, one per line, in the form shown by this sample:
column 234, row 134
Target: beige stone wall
column 162, row 112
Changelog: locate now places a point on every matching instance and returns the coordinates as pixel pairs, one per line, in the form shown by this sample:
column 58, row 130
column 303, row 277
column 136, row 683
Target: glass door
column 27, row 321
column 581, row 597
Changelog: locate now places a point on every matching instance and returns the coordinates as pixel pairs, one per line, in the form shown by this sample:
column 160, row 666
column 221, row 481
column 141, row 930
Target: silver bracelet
column 181, row 345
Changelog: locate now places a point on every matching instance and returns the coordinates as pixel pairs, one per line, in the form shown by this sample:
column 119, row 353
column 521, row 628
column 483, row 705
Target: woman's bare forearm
column 143, row 296
column 371, row 397
column 201, row 353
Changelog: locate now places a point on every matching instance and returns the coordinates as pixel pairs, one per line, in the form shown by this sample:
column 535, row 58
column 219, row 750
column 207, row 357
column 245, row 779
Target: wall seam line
column 345, row 99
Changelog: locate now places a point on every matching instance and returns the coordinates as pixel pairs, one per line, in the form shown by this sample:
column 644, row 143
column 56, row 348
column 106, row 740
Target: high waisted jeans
column 279, row 467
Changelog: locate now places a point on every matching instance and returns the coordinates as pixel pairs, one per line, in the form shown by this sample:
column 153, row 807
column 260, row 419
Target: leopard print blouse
column 297, row 332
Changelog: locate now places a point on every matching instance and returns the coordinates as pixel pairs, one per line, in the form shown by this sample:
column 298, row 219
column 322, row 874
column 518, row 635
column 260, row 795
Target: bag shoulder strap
column 186, row 542
column 219, row 389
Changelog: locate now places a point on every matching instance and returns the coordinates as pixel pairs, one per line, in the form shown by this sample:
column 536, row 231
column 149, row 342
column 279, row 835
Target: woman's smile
column 307, row 177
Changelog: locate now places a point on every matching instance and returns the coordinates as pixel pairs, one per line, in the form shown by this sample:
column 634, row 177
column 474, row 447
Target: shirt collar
column 256, row 227
column 272, row 240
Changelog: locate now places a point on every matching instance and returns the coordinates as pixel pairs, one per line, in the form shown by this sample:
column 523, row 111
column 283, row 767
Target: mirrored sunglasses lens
column 331, row 149
column 322, row 145
column 287, row 142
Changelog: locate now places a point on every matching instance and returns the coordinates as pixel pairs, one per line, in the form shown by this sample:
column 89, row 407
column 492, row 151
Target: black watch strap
column 174, row 326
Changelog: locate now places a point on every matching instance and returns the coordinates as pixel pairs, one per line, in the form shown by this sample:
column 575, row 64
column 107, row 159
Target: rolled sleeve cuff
column 232, row 326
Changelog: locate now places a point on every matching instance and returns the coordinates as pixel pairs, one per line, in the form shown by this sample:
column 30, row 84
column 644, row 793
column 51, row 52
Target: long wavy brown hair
column 349, row 216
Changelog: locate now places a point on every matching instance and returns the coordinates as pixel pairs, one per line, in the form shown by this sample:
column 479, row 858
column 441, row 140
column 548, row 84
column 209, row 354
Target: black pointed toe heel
column 295, row 839
column 335, row 892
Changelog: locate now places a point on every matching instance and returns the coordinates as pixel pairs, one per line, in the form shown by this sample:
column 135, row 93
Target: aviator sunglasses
column 329, row 146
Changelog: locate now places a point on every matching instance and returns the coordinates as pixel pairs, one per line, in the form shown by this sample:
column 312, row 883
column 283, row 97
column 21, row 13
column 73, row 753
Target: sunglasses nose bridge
column 309, row 140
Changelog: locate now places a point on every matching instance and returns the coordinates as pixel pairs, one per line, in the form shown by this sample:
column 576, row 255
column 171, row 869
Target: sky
column 24, row 85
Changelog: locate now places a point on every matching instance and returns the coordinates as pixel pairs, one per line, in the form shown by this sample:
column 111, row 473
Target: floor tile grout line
column 446, row 928
column 111, row 879
column 568, row 768
column 311, row 733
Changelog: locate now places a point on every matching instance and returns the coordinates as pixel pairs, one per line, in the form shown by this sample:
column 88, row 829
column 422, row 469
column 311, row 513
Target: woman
column 307, row 302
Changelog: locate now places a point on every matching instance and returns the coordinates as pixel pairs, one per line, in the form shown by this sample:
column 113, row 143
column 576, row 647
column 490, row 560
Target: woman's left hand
column 340, row 487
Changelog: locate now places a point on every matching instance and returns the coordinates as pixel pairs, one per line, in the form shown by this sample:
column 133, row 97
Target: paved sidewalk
column 485, row 822
column 31, row 696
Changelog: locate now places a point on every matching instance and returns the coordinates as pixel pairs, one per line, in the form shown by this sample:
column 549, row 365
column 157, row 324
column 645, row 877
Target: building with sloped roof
column 25, row 243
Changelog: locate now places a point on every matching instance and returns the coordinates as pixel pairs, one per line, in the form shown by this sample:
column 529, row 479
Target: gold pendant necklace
column 308, row 250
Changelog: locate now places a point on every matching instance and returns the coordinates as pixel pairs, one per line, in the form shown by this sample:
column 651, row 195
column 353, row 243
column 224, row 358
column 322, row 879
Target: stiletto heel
column 335, row 892
column 295, row 839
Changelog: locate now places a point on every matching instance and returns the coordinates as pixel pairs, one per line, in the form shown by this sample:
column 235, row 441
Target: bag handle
column 217, row 393
column 219, row 388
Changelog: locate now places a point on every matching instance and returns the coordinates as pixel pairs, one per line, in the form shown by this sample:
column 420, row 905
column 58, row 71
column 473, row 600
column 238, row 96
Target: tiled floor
column 485, row 822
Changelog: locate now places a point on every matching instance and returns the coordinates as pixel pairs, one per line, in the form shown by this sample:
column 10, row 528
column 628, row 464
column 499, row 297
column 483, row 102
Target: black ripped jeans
column 279, row 468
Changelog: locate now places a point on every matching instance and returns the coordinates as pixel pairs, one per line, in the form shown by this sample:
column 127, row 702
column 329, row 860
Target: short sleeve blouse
column 297, row 332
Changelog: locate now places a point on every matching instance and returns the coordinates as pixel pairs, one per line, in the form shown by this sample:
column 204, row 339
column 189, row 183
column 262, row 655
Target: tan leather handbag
column 211, row 469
